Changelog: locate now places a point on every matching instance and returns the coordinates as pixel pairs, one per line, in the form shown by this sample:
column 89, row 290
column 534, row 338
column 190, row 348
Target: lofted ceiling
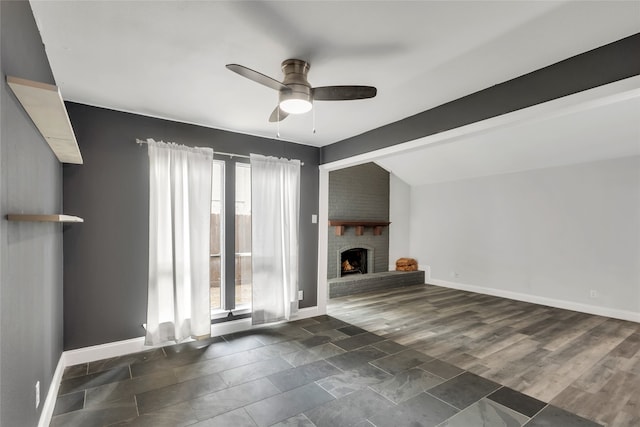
column 606, row 131
column 167, row 59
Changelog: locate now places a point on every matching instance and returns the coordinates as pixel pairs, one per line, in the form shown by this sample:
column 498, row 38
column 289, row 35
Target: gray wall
column 106, row 257
column 30, row 253
column 606, row 64
column 555, row 233
column 359, row 193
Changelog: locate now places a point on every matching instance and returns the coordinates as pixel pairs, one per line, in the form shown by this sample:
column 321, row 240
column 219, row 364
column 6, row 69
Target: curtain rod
column 222, row 153
column 244, row 156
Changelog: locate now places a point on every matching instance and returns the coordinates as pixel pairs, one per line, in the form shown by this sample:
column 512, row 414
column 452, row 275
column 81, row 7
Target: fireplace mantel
column 359, row 225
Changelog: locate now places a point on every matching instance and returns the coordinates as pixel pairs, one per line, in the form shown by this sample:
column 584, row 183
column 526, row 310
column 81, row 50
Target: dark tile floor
column 313, row 372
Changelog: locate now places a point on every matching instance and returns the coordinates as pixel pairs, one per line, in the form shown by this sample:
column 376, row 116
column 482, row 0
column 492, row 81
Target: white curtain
column 179, row 221
column 275, row 207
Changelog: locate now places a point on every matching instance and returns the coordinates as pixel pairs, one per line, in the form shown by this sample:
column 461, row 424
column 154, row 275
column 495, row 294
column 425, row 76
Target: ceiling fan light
column 295, row 106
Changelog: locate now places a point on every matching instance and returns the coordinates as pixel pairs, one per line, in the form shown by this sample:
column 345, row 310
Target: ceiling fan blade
column 256, row 76
column 278, row 115
column 343, row 93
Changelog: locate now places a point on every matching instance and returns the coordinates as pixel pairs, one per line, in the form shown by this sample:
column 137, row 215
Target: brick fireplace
column 359, row 193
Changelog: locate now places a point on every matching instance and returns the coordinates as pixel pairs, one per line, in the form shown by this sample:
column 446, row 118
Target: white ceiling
column 167, row 59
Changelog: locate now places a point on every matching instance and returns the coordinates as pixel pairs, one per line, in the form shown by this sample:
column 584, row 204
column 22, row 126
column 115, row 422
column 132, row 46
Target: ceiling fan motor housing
column 295, row 78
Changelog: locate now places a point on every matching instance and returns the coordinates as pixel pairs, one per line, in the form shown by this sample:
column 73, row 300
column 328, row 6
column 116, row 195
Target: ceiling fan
column 296, row 95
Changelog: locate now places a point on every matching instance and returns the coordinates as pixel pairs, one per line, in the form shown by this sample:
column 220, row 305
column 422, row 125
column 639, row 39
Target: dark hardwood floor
column 585, row 364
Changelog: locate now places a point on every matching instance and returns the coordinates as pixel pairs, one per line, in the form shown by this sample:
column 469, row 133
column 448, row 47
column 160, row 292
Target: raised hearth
column 359, row 283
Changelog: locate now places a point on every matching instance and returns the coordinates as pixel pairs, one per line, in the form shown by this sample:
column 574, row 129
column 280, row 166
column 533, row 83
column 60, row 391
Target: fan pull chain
column 278, row 125
column 313, row 112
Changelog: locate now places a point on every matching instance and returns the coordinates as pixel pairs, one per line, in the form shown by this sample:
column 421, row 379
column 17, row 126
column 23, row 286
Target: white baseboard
column 427, row 272
column 535, row 299
column 305, row 313
column 50, row 401
column 134, row 345
column 104, row 351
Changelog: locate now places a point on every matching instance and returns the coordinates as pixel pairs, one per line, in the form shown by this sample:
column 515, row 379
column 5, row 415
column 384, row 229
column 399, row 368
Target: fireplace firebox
column 353, row 261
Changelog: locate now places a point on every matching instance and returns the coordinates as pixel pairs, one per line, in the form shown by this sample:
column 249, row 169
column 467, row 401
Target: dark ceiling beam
column 597, row 67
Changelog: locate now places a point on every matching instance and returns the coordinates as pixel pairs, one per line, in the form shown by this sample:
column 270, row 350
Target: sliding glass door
column 216, row 242
column 230, row 254
column 243, row 236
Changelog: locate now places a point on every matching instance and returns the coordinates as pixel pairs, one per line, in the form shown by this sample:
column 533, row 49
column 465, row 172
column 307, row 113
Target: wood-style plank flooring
column 586, row 364
column 315, row 372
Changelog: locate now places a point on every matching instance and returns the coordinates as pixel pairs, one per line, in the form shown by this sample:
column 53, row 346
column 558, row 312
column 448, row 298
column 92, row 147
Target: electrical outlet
column 37, row 394
column 300, row 295
column 314, row 219
column 593, row 293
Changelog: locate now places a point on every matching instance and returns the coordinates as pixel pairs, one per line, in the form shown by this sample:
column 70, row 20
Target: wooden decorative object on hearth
column 406, row 264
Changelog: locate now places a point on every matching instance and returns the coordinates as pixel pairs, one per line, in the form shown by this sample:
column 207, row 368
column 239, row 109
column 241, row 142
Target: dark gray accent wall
column 30, row 253
column 106, row 257
column 359, row 193
column 597, row 67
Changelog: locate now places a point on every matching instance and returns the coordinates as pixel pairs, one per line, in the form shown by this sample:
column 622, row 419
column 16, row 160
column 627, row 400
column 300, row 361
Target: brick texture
column 359, row 193
column 359, row 283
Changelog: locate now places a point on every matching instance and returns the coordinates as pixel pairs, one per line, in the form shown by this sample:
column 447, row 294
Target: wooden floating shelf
column 44, row 104
column 44, row 218
column 359, row 225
